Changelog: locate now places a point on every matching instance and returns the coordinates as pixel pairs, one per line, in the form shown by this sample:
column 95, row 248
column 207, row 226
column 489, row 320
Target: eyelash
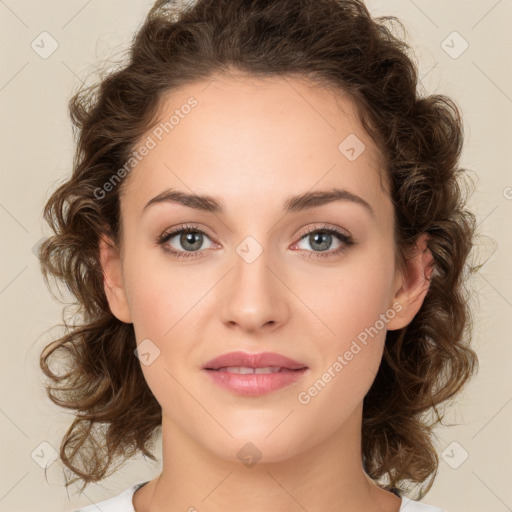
column 345, row 239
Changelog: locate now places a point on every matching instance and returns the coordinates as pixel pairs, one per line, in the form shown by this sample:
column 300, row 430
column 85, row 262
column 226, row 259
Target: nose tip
column 252, row 298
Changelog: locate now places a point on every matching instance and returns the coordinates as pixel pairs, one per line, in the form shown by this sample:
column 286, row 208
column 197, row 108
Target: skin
column 251, row 144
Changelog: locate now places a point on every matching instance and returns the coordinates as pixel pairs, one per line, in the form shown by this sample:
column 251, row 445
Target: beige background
column 37, row 151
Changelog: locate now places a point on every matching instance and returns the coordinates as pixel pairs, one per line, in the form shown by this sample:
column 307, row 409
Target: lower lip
column 255, row 384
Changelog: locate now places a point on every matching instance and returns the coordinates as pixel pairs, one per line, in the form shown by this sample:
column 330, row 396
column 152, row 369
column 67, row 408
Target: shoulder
column 415, row 506
column 123, row 502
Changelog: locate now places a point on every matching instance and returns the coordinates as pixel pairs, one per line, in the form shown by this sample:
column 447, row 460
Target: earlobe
column 415, row 284
column 113, row 282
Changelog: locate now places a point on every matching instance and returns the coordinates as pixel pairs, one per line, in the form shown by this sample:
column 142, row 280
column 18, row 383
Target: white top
column 123, row 503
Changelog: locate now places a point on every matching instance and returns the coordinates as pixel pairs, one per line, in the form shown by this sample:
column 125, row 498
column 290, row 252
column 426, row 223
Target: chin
column 255, row 445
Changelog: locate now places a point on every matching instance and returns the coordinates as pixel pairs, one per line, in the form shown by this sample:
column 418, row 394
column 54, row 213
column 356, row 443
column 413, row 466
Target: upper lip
column 260, row 360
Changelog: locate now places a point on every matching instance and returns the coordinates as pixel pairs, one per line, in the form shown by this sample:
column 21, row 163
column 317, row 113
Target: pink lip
column 255, row 384
column 261, row 360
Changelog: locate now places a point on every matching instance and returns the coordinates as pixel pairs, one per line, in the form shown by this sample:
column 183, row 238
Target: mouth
column 244, row 370
column 245, row 362
column 254, row 382
column 254, row 375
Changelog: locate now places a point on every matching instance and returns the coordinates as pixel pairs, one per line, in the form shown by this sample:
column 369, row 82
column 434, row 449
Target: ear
column 412, row 285
column 113, row 282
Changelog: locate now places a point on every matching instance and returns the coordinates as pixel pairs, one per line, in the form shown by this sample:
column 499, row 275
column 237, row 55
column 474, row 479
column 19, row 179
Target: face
column 262, row 272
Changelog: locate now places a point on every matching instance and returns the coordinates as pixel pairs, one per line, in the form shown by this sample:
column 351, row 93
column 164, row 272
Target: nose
column 253, row 295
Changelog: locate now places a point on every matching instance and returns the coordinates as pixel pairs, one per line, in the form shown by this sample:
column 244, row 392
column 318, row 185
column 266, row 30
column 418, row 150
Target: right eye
column 190, row 238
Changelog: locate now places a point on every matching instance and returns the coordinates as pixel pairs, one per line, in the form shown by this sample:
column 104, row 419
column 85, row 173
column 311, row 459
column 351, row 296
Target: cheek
column 351, row 351
column 160, row 303
column 166, row 304
column 158, row 296
column 353, row 304
column 351, row 297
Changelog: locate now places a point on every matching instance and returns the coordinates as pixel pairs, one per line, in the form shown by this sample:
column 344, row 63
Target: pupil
column 189, row 238
column 322, row 235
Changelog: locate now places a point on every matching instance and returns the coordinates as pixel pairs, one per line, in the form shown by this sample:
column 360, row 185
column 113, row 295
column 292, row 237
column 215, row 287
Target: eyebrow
column 297, row 203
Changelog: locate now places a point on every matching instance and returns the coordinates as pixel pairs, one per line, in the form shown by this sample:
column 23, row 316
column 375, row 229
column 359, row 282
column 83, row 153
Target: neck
column 327, row 477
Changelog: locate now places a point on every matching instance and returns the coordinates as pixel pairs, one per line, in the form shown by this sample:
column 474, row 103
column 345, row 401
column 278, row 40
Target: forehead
column 245, row 139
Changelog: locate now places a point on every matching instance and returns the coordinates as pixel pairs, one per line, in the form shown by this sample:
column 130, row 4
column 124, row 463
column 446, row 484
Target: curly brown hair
column 334, row 43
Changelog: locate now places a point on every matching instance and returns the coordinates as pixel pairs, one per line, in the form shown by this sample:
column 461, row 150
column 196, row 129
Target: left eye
column 321, row 239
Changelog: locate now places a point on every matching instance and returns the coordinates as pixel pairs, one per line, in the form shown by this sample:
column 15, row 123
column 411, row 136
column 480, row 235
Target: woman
column 266, row 234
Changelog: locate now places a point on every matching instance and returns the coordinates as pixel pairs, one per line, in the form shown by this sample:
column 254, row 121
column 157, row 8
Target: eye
column 190, row 238
column 320, row 239
column 191, row 241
